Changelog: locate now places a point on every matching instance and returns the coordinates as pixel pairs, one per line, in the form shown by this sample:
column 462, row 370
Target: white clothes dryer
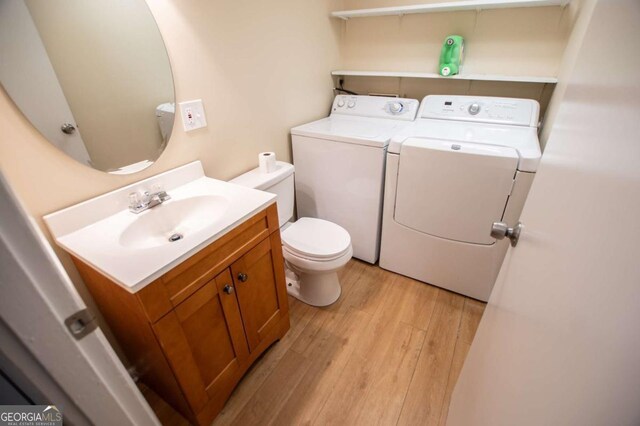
column 340, row 163
column 464, row 164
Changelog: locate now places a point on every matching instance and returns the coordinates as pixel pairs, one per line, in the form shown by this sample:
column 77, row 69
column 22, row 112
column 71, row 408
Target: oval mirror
column 92, row 76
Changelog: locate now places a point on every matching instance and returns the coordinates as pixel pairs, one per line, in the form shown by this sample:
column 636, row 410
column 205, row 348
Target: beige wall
column 260, row 68
column 566, row 67
column 523, row 41
column 113, row 77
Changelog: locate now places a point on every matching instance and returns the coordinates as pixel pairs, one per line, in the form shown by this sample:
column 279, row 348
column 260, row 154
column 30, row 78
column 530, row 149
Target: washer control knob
column 340, row 103
column 474, row 108
column 396, row 107
column 351, row 104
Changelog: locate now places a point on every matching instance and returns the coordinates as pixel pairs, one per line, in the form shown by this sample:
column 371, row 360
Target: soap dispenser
column 451, row 55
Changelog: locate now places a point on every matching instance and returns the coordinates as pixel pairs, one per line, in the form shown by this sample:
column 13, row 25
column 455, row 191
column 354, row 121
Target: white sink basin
column 173, row 220
column 135, row 249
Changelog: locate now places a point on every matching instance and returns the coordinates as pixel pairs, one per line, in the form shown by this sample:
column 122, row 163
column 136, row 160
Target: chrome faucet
column 141, row 201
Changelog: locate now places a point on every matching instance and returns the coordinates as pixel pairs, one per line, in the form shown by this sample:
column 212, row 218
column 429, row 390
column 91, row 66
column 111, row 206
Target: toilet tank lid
column 167, row 107
column 258, row 180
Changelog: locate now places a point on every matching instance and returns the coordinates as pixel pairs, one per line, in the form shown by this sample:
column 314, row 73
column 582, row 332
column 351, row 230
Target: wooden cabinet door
column 260, row 283
column 204, row 341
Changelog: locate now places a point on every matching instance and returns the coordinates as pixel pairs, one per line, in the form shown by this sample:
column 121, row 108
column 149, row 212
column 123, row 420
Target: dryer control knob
column 396, row 107
column 474, row 108
column 351, row 104
column 340, row 103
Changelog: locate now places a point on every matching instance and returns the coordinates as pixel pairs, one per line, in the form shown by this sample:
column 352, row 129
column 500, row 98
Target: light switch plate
column 192, row 113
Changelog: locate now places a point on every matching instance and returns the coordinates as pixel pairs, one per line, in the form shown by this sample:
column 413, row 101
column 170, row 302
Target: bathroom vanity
column 192, row 327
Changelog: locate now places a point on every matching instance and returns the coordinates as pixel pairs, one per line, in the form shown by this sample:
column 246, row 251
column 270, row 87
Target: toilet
column 314, row 250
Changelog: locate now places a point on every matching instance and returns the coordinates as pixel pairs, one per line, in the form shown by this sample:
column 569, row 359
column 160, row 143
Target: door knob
column 228, row 289
column 68, row 128
column 243, row 277
column 499, row 230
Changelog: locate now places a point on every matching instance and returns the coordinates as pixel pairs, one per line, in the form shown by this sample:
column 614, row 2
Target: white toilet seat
column 316, row 240
column 311, row 265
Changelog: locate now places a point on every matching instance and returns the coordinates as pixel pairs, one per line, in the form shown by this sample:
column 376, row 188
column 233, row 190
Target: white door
column 559, row 343
column 28, row 77
column 83, row 377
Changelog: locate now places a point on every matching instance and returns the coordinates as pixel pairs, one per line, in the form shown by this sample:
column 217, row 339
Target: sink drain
column 175, row 237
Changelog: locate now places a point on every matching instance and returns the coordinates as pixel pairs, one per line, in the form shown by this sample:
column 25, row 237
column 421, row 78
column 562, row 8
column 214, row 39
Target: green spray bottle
column 451, row 55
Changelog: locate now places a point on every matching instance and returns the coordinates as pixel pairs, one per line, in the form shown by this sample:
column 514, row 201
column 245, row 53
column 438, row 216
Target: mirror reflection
column 93, row 77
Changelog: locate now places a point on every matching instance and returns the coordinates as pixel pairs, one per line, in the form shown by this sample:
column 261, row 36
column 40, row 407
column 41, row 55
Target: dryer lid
column 453, row 190
column 524, row 140
column 316, row 238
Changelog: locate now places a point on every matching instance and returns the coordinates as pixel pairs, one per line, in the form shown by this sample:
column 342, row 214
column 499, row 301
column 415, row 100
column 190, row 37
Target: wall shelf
column 479, row 77
column 446, row 7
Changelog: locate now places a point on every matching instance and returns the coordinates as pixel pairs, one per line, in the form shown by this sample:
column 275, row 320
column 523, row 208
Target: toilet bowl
column 314, row 249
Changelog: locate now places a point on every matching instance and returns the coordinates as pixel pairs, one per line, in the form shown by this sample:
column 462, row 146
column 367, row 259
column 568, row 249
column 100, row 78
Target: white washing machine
column 340, row 163
column 465, row 163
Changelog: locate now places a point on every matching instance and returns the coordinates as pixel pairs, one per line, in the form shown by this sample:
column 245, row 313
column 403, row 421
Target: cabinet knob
column 243, row 277
column 228, row 289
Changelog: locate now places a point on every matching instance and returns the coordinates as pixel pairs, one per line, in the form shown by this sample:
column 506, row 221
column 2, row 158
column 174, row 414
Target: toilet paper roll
column 267, row 162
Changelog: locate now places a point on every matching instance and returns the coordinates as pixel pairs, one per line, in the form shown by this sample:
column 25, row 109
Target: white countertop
column 95, row 230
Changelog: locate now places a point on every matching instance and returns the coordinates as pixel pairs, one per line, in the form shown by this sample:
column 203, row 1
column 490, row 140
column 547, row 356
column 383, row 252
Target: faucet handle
column 146, row 197
column 135, row 199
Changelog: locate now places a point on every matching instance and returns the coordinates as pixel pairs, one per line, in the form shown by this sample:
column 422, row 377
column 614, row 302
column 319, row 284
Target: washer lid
column 357, row 130
column 316, row 238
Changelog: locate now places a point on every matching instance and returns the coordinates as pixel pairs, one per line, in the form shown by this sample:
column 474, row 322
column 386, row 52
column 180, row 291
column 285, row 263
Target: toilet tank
column 279, row 182
column 165, row 114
